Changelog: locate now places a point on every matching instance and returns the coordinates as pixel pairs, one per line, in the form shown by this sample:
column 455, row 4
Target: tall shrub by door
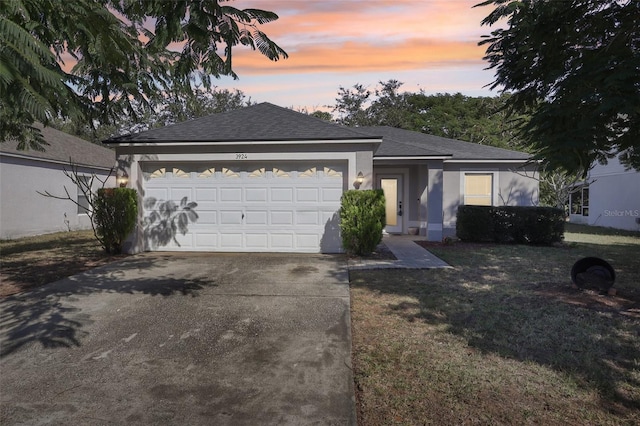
column 362, row 219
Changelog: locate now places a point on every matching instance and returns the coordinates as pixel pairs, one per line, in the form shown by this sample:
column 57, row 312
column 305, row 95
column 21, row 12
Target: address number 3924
column 241, row 156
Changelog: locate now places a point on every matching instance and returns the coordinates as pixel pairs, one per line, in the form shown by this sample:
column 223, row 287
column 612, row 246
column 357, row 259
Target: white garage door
column 247, row 207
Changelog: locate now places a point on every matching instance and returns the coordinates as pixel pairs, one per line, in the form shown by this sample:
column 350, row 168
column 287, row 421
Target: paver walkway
column 409, row 255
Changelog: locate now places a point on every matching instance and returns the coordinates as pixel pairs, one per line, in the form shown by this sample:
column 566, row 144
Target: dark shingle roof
column 407, row 143
column 268, row 122
column 62, row 147
column 262, row 122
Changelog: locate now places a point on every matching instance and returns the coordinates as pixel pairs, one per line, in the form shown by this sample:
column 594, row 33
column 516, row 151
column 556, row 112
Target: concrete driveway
column 185, row 339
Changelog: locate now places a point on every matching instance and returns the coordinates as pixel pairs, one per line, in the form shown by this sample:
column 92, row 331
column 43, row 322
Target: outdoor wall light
column 122, row 181
column 359, row 180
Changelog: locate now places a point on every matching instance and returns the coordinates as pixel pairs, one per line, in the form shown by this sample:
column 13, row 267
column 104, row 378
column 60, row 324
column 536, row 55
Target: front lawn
column 503, row 338
column 35, row 261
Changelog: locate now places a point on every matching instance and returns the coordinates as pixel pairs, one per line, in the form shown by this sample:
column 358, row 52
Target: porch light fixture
column 122, row 181
column 358, row 181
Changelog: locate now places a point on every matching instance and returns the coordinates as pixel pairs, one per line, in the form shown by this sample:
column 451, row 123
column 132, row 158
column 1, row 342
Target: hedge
column 510, row 224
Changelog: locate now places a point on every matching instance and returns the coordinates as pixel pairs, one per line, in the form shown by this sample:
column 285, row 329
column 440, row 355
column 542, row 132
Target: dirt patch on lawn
column 591, row 299
column 28, row 263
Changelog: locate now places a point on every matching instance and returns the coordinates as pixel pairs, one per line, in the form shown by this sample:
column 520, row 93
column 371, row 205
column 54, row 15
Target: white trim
column 488, row 161
column 411, row 158
column 250, row 143
column 47, row 160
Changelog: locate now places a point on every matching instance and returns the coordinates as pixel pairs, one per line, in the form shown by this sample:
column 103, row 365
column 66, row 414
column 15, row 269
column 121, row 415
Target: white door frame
column 403, row 196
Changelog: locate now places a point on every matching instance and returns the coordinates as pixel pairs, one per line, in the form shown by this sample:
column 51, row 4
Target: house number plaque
column 241, row 156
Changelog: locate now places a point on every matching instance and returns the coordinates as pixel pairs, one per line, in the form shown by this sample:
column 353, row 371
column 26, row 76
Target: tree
column 122, row 57
column 183, row 106
column 479, row 120
column 574, row 66
column 351, row 106
column 390, row 108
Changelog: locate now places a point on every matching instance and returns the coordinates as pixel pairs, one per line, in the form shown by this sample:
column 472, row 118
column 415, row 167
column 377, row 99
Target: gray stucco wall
column 24, row 212
column 514, row 185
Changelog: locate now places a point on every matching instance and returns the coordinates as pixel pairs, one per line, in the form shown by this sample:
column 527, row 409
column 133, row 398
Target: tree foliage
column 178, row 107
column 480, row 120
column 574, row 65
column 120, row 54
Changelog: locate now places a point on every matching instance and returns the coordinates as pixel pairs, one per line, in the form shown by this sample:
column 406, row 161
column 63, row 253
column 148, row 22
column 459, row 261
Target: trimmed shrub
column 510, row 224
column 114, row 216
column 474, row 223
column 362, row 219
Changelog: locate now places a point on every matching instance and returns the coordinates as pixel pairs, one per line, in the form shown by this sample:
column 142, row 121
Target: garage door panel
column 206, row 240
column 205, row 195
column 256, row 195
column 157, row 193
column 230, row 195
column 281, row 217
column 258, row 217
column 282, row 195
column 307, row 241
column 207, row 217
column 330, row 195
column 231, row 217
column 307, row 218
column 231, row 240
column 177, row 194
column 257, row 241
column 282, row 240
column 307, row 195
column 184, row 241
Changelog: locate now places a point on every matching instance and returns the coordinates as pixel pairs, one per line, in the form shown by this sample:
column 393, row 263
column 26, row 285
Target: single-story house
column 610, row 198
column 266, row 178
column 25, row 173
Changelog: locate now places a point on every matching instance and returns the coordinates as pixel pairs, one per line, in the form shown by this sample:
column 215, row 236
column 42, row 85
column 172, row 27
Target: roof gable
column 63, row 148
column 261, row 122
column 406, row 143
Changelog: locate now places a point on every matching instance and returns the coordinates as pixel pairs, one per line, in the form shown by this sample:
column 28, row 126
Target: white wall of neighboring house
column 24, row 212
column 614, row 197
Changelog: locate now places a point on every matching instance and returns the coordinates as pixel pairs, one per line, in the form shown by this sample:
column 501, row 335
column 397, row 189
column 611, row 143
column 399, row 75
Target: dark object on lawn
column 593, row 272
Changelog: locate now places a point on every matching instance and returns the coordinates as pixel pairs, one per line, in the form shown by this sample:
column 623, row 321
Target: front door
column 392, row 186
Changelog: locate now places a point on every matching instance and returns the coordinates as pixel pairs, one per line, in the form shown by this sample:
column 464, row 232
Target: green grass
column 503, row 338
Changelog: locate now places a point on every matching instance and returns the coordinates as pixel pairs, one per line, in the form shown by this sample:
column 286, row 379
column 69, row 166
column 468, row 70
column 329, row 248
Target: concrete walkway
column 409, row 255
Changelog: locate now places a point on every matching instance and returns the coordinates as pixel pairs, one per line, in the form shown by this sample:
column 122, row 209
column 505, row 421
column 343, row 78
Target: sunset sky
column 427, row 44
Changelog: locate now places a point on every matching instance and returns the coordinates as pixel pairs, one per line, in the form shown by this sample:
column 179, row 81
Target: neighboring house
column 24, row 212
column 266, row 178
column 610, row 199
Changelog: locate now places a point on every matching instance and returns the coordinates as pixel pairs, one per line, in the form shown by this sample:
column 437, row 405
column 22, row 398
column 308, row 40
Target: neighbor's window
column 478, row 189
column 83, row 202
column 579, row 201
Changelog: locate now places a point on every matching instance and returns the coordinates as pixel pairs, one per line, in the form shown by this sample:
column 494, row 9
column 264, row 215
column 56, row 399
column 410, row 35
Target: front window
column 478, row 189
column 83, row 201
